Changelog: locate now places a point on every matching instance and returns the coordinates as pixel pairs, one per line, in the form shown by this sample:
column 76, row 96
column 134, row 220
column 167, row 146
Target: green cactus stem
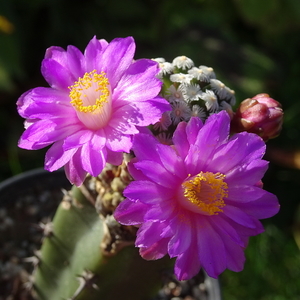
column 84, row 260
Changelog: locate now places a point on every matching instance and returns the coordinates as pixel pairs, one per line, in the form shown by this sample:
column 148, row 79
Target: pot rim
column 11, row 187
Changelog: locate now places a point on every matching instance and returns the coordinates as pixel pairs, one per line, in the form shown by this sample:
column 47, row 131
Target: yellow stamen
column 98, row 82
column 206, row 192
column 91, row 97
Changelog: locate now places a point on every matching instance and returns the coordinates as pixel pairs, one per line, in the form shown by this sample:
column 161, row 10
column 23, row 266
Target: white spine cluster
column 191, row 91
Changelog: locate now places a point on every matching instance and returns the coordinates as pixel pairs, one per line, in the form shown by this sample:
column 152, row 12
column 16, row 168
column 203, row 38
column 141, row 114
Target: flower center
column 91, row 98
column 204, row 193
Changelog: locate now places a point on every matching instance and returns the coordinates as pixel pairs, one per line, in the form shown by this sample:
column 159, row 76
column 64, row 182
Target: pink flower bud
column 261, row 115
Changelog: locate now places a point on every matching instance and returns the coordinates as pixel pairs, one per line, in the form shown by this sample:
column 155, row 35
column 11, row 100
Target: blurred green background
column 253, row 46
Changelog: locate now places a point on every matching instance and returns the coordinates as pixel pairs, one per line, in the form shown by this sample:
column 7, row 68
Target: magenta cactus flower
column 94, row 105
column 200, row 199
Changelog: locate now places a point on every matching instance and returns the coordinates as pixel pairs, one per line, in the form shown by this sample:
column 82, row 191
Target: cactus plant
column 190, row 196
column 89, row 255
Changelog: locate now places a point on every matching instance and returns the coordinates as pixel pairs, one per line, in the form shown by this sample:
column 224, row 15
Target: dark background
column 252, row 45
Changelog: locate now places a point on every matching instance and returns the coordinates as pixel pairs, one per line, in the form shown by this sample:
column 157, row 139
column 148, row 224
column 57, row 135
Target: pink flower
column 93, row 106
column 261, row 115
column 200, row 199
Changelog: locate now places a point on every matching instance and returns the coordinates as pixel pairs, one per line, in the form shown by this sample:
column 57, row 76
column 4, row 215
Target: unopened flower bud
column 261, row 115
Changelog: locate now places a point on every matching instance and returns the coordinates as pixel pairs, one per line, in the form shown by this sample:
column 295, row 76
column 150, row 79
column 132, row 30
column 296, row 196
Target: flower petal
column 116, row 141
column 139, row 82
column 130, row 213
column 264, row 207
column 156, row 250
column 71, row 60
column 144, row 147
column 43, row 133
column 235, row 257
column 93, row 51
column 182, row 237
column 152, row 111
column 116, row 59
column 180, row 140
column 114, row 158
column 29, row 103
column 193, row 156
column 240, row 150
column 225, row 228
column 56, row 75
column 171, row 161
column 192, row 129
column 144, row 191
column 210, row 137
column 160, row 212
column 149, row 234
column 157, row 173
column 248, row 174
column 211, row 249
column 74, row 170
column 98, row 140
column 149, row 240
column 77, row 139
column 187, row 264
column 124, row 119
column 134, row 172
column 75, row 62
column 244, row 193
column 238, row 216
column 56, row 156
column 92, row 161
column 245, row 231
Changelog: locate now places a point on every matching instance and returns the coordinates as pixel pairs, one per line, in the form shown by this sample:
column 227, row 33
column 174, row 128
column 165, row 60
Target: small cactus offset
column 192, row 92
